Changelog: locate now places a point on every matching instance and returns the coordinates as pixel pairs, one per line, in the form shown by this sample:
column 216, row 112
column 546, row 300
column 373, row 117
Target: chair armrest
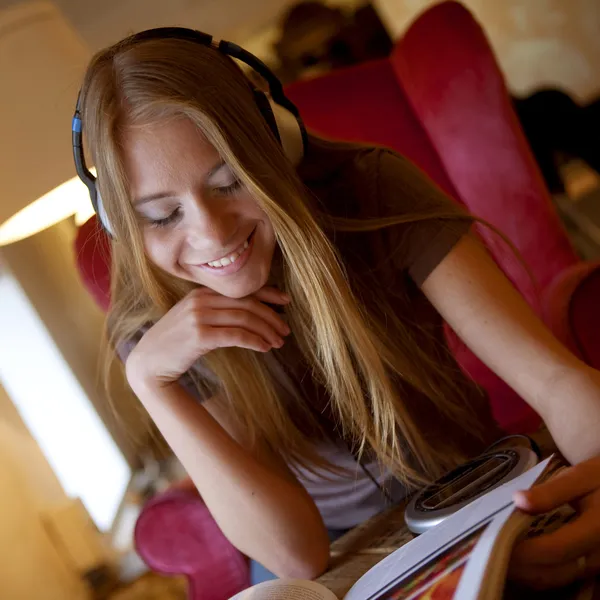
column 571, row 308
column 175, row 534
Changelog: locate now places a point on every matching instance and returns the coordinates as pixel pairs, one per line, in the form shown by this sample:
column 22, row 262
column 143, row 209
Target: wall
column 9, row 414
column 538, row 42
column 40, row 476
column 29, row 565
column 44, row 266
column 114, row 19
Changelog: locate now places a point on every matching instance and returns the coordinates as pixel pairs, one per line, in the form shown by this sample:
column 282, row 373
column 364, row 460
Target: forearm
column 571, row 410
column 266, row 515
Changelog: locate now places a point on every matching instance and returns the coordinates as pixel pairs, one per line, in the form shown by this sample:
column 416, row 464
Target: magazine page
column 439, row 579
column 476, row 582
column 286, row 589
column 484, row 577
column 417, row 554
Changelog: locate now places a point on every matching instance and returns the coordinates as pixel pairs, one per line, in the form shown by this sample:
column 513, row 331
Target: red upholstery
column 92, row 254
column 571, row 308
column 584, row 317
column 440, row 100
column 168, row 544
column 457, row 92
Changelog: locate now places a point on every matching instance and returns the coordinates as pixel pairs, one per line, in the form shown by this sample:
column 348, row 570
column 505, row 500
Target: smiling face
column 198, row 221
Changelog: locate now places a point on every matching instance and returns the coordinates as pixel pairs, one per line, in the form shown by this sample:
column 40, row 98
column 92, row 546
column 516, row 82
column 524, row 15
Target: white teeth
column 227, row 260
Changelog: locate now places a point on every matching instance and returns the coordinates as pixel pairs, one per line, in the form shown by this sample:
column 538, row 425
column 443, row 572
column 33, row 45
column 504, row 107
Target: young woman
column 278, row 300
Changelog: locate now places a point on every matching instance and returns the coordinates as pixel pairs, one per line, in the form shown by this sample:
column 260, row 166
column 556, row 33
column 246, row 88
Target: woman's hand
column 201, row 322
column 573, row 551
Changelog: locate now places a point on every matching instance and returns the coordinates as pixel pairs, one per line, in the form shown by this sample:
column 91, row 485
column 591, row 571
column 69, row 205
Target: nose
column 209, row 227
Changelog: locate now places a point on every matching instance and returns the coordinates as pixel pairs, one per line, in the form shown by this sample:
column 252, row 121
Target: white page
column 473, row 576
column 286, row 589
column 423, row 549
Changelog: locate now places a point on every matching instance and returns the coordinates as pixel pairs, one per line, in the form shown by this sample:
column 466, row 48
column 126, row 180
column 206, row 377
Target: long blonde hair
column 366, row 362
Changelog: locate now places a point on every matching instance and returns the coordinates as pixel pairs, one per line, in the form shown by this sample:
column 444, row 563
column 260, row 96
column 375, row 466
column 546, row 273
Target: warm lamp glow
column 70, row 198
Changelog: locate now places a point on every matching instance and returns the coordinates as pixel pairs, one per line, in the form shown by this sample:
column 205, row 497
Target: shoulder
column 367, row 181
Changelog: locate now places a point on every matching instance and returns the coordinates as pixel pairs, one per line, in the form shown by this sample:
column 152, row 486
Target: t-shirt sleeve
column 439, row 222
column 199, row 382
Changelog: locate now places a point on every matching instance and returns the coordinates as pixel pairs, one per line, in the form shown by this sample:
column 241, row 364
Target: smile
column 231, row 257
column 232, row 261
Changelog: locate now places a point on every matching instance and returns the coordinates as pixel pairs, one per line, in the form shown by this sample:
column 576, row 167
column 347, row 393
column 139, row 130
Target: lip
column 234, row 267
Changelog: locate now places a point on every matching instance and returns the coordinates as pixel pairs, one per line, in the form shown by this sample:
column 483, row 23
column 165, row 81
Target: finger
column 228, row 337
column 244, row 319
column 578, row 537
column 267, row 314
column 254, row 306
column 272, row 295
column 551, row 576
column 249, row 303
column 572, row 484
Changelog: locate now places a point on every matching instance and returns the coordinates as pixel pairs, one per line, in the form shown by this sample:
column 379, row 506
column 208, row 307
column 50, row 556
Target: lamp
column 41, row 60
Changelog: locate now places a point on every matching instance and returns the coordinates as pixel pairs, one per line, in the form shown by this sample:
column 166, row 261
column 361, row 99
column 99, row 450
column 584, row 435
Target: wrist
column 139, row 379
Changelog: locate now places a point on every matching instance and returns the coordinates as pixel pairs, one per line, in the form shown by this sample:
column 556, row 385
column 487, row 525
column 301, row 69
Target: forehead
column 165, row 152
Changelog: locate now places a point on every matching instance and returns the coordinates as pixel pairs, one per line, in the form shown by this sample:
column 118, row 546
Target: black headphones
column 267, row 106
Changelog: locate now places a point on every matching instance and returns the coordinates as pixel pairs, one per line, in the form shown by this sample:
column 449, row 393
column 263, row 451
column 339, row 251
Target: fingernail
column 278, row 343
column 520, row 498
column 286, row 297
column 287, row 330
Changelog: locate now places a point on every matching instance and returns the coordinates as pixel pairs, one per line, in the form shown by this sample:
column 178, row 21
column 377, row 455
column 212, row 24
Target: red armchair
column 440, row 99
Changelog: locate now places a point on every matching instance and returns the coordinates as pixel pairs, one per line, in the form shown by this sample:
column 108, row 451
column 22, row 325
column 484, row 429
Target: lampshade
column 42, row 60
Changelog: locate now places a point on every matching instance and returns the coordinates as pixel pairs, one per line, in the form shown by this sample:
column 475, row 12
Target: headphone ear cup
column 267, row 112
column 102, row 216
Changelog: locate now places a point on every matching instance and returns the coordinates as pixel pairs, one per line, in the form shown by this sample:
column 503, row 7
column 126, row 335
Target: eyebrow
column 161, row 195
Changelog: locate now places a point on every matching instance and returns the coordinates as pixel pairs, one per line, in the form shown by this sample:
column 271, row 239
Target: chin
column 245, row 286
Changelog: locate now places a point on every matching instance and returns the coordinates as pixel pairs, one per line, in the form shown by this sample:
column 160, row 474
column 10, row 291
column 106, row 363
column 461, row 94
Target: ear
column 289, row 132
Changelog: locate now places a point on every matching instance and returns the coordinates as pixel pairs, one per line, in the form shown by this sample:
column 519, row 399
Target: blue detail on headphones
column 76, row 125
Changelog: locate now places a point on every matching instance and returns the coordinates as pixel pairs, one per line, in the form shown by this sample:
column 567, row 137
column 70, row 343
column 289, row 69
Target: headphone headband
column 227, row 48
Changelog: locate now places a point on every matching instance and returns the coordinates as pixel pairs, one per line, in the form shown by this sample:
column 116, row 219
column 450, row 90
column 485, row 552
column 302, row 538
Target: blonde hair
column 365, row 361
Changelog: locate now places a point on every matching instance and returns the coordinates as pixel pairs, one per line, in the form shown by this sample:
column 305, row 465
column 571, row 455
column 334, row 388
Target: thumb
column 568, row 485
column 529, row 502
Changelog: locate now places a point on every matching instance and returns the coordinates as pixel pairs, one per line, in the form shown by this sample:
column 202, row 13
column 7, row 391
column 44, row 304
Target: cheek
column 161, row 250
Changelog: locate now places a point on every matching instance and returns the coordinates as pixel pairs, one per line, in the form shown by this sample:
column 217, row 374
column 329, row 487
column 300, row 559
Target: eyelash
column 167, row 220
column 228, row 189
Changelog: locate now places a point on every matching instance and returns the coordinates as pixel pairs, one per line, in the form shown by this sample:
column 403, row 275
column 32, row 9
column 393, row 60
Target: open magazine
column 465, row 557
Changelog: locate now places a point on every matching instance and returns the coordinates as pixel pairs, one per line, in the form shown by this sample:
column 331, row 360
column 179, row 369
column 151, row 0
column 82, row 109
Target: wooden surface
column 363, row 547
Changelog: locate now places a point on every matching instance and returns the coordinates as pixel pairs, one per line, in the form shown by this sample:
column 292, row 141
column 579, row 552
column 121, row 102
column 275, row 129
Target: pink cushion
column 584, row 317
column 176, row 534
column 92, row 256
column 456, row 89
column 366, row 103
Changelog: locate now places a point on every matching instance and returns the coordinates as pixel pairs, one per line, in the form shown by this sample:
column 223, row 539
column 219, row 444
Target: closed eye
column 174, row 216
column 228, row 189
